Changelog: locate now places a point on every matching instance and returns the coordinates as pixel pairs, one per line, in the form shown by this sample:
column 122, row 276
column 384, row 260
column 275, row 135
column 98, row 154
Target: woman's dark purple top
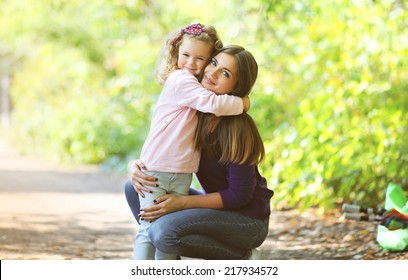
column 242, row 188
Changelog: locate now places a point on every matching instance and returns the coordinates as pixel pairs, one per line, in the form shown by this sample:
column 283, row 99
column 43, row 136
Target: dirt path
column 51, row 212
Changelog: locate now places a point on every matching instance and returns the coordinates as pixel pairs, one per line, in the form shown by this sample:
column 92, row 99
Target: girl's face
column 193, row 55
column 221, row 75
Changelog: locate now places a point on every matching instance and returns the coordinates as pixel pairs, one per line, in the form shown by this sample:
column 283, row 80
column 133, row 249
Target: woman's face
column 221, row 75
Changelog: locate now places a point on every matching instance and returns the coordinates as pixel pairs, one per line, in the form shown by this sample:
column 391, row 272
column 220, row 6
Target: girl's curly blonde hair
column 167, row 62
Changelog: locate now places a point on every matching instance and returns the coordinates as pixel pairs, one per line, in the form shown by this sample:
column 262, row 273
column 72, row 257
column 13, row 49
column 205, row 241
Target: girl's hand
column 163, row 205
column 139, row 179
column 247, row 103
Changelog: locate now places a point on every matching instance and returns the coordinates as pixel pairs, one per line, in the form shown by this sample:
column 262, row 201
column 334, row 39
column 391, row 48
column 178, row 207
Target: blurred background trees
column 330, row 101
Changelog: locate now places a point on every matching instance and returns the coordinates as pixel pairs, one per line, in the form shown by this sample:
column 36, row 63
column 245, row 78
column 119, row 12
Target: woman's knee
column 129, row 190
column 161, row 234
column 130, row 193
column 132, row 199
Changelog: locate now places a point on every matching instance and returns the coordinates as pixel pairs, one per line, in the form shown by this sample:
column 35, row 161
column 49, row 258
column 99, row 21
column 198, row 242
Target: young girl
column 168, row 150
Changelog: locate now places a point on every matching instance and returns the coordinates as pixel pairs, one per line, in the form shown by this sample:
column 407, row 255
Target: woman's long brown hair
column 232, row 139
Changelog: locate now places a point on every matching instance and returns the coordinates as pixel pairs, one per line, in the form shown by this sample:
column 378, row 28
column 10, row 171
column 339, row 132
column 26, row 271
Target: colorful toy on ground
column 392, row 232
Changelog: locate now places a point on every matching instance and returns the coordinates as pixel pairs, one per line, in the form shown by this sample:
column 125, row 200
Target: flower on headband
column 194, row 29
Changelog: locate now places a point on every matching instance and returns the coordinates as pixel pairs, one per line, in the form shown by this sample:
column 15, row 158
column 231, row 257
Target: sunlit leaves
column 330, row 100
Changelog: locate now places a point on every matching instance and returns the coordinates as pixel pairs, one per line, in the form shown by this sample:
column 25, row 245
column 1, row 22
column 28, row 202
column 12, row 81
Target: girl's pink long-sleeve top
column 169, row 145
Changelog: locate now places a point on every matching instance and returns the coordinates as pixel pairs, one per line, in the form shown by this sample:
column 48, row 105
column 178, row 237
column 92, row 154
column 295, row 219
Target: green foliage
column 338, row 70
column 330, row 98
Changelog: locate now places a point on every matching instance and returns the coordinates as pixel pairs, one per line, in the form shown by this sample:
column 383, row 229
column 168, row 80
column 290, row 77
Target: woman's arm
column 170, row 203
column 241, row 184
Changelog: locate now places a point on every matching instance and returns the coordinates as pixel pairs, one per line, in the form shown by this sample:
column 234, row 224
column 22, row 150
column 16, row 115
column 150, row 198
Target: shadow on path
column 55, row 212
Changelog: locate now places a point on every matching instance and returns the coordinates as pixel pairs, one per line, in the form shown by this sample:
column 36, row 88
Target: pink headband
column 193, row 29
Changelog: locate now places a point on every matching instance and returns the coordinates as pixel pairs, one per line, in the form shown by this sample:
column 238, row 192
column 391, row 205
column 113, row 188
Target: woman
column 232, row 216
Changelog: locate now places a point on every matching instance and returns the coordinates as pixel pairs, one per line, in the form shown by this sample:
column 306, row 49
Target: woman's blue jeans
column 202, row 232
